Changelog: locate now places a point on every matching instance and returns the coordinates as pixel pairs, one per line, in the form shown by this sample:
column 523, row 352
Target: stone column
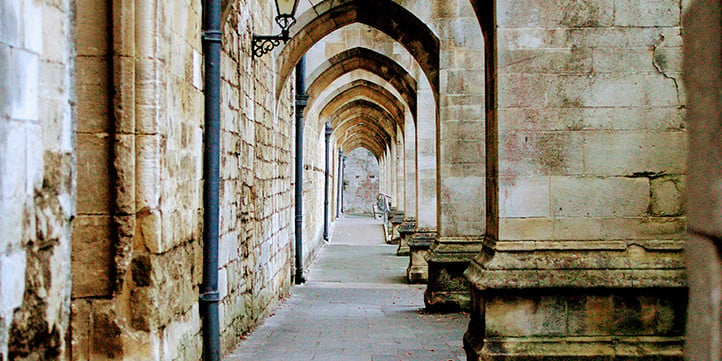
column 461, row 222
column 381, row 173
column 408, row 226
column 426, row 200
column 397, row 188
column 391, row 164
column 400, row 172
column 426, row 159
column 702, row 79
column 588, row 259
column 387, row 190
column 339, row 182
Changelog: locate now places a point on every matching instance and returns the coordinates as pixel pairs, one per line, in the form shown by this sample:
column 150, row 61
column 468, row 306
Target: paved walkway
column 356, row 307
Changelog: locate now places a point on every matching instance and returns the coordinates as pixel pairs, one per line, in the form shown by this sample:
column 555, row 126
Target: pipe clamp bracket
column 210, row 297
column 213, row 36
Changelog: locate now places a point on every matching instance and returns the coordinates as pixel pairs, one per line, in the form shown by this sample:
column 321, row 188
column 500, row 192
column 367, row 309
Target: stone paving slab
column 355, row 307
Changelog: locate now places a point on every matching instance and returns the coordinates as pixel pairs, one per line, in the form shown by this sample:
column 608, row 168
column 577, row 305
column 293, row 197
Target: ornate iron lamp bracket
column 263, row 44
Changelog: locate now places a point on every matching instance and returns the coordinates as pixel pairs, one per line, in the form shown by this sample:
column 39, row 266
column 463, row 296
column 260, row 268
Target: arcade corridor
column 169, row 170
column 355, row 306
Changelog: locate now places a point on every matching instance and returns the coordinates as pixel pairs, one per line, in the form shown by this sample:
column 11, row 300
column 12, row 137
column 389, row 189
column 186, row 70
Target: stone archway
column 368, row 91
column 400, row 24
column 370, row 110
column 366, row 59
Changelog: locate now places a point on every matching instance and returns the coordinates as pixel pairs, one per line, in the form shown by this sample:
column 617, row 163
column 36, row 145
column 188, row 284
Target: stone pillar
column 461, row 171
column 588, row 261
column 703, row 79
column 426, row 204
column 425, row 186
column 392, row 175
column 339, row 183
column 410, row 168
column 400, row 172
column 408, row 226
column 382, row 174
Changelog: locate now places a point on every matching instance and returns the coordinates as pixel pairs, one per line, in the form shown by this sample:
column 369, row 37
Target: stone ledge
column 619, row 245
column 632, row 267
column 633, row 258
column 456, row 249
column 577, row 348
column 576, row 279
column 397, row 218
column 422, row 238
column 408, row 226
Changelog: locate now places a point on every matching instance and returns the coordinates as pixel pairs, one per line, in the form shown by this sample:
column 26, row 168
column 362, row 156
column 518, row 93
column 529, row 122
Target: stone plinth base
column 579, row 348
column 419, row 244
column 578, row 301
column 406, row 229
column 395, row 222
column 388, row 226
column 448, row 258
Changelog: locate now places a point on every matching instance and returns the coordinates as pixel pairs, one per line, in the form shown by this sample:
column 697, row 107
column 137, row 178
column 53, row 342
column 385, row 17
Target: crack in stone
column 658, row 68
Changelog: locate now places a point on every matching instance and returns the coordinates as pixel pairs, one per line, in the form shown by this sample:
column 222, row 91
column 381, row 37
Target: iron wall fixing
column 262, row 44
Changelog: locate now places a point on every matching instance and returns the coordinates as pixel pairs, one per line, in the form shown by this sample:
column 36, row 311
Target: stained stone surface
column 362, row 182
column 101, row 149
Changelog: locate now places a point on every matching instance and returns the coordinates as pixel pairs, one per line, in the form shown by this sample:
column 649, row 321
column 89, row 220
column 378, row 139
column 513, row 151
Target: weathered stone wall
column 257, row 174
column 592, row 148
column 591, row 154
column 314, row 152
column 137, row 290
column 154, row 185
column 37, row 177
column 94, row 328
column 592, row 134
column 361, row 182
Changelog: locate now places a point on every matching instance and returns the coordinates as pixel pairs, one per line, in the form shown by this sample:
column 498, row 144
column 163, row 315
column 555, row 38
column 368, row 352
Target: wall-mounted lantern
column 286, row 10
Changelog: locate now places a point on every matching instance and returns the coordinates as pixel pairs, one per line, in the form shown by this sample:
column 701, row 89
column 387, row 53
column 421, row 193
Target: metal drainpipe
column 301, row 100
column 327, row 184
column 339, row 191
column 209, row 295
column 343, row 174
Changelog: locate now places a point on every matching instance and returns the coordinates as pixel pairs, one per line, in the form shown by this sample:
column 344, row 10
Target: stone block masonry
column 37, row 177
column 140, row 156
column 592, row 152
column 361, row 181
column 561, row 178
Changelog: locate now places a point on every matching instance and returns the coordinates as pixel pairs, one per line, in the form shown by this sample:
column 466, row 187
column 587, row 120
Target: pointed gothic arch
column 396, row 21
column 369, row 60
column 368, row 92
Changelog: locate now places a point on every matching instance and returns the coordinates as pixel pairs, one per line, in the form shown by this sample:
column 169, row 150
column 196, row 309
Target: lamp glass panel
column 286, row 7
